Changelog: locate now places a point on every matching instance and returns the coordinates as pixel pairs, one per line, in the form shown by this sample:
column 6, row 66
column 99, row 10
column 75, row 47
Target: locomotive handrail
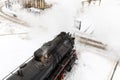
column 17, row 68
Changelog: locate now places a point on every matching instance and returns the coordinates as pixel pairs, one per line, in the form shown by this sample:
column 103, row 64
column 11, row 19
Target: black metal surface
column 63, row 65
column 40, row 68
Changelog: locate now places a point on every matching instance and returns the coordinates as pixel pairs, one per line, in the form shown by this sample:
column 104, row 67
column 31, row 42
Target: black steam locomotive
column 50, row 61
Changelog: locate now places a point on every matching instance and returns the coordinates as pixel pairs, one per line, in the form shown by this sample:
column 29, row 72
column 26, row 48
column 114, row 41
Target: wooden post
column 42, row 4
column 99, row 2
column 35, row 3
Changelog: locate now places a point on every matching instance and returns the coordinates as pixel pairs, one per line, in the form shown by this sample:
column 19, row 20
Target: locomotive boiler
column 50, row 61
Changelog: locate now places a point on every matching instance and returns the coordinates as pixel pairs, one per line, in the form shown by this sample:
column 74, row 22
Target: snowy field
column 18, row 43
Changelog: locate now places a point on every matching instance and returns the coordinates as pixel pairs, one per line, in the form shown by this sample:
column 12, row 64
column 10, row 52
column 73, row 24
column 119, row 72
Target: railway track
column 13, row 34
column 10, row 18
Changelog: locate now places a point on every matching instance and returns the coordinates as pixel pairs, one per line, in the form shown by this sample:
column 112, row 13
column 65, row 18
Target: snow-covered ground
column 92, row 64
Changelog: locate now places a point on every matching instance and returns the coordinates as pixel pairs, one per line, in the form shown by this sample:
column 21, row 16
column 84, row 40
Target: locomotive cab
column 44, row 58
column 41, row 55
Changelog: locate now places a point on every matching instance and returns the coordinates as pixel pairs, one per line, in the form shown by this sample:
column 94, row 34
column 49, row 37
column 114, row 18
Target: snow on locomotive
column 50, row 61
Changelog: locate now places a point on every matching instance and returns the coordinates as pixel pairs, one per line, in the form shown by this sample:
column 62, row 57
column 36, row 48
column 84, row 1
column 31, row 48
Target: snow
column 8, row 11
column 108, row 30
column 11, row 29
column 93, row 64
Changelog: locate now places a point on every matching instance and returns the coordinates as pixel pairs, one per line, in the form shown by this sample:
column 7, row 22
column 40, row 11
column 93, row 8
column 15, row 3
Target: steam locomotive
column 49, row 62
